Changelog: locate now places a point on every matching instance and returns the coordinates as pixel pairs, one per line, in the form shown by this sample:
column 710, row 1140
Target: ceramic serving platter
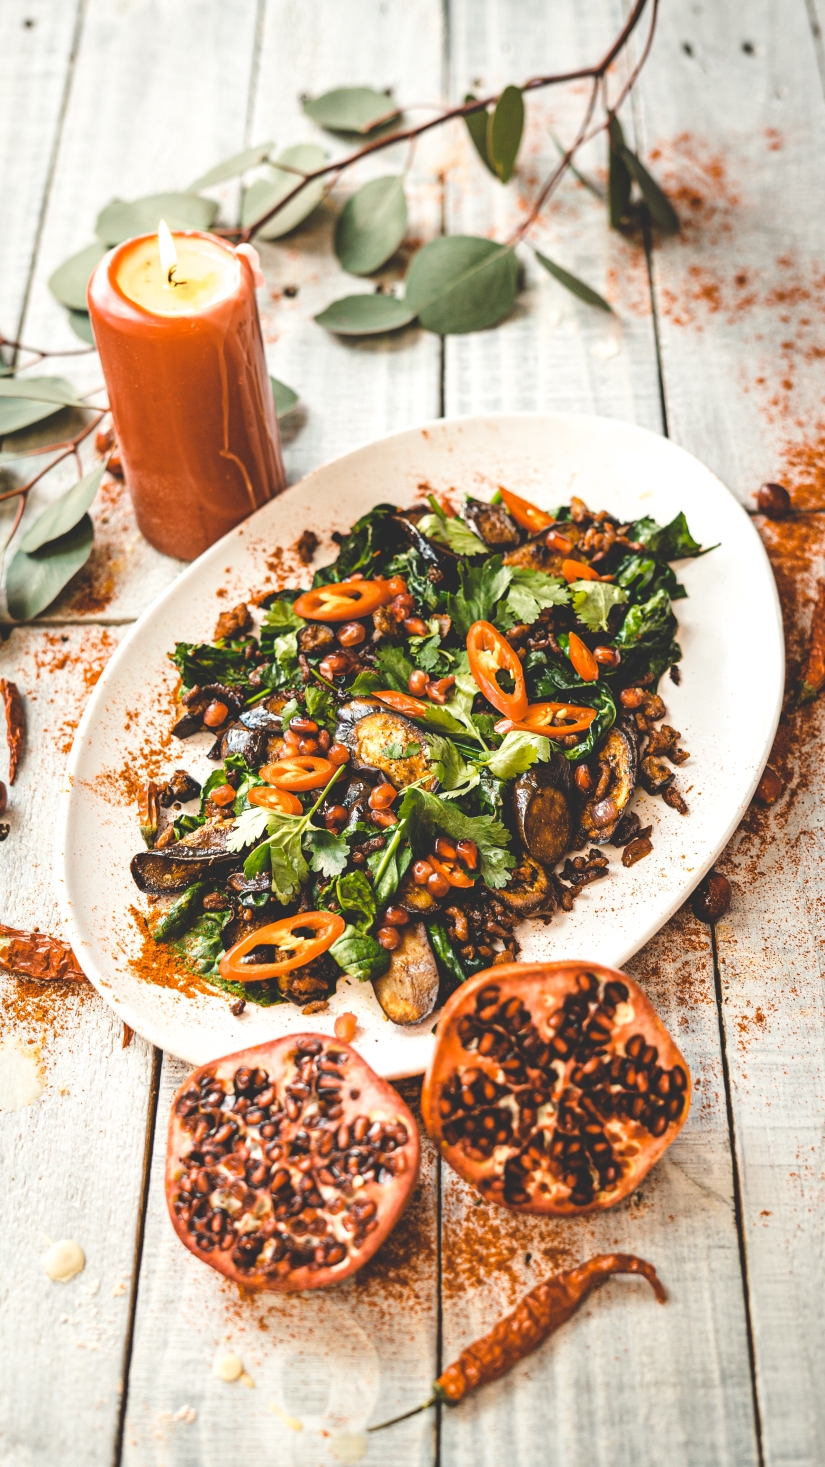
column 726, row 707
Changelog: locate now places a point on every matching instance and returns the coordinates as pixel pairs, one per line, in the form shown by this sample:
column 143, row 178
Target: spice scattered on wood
column 37, row 955
column 712, row 897
column 15, row 726
column 813, row 673
column 548, row 1306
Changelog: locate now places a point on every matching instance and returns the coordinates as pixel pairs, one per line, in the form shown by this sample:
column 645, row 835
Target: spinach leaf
column 446, row 958
column 647, row 620
column 641, row 576
column 200, row 663
column 360, row 955
column 355, row 896
column 671, row 542
column 412, row 566
column 482, row 587
column 388, row 866
column 201, row 947
column 178, row 916
column 375, row 533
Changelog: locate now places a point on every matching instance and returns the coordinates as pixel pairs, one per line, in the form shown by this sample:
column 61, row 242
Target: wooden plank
column 351, row 392
column 155, row 101
column 35, row 63
column 624, row 1377
column 73, row 1157
column 323, row 1364
column 740, row 340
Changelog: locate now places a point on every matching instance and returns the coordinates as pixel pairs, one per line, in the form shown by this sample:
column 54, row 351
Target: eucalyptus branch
column 65, row 449
column 40, row 353
column 595, row 73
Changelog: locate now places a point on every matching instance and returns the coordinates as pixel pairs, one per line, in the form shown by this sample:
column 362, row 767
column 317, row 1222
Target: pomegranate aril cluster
column 550, row 1097
column 279, row 1181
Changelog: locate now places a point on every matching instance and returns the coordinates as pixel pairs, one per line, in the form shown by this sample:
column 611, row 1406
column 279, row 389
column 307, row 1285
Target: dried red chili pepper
column 537, row 1315
column 15, row 727
column 38, row 956
column 813, row 673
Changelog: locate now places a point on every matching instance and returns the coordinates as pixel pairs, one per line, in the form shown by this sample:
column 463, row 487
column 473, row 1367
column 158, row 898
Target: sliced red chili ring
column 298, row 772
column 343, row 600
column 289, row 936
column 489, row 654
column 556, row 720
column 525, row 514
column 266, row 797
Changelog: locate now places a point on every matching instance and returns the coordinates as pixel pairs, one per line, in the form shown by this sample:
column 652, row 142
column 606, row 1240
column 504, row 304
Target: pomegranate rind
column 542, row 989
column 375, row 1098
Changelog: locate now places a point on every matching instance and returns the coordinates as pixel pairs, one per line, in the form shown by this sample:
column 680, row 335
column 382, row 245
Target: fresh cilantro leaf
column 366, row 683
column 453, row 533
column 248, row 828
column 359, row 955
column 482, row 587
column 320, row 705
column 428, row 653
column 453, row 772
column 355, row 896
column 289, row 868
column 530, row 592
column 425, row 814
column 395, row 667
column 673, row 542
column 400, row 751
column 329, row 852
column 593, row 602
column 280, row 617
column 516, row 753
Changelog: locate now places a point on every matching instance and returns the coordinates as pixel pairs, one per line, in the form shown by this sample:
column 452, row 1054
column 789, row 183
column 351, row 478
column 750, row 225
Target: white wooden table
column 720, row 345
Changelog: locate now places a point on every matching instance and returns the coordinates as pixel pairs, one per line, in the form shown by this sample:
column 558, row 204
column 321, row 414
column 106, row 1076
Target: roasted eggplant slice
column 618, row 762
column 386, row 742
column 407, row 992
column 316, row 638
column 543, row 810
column 491, row 523
column 251, row 743
column 201, row 853
column 528, row 889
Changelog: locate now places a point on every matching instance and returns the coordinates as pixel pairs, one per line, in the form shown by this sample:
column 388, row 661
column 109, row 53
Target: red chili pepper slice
column 813, row 673
column 556, row 720
column 403, row 703
column 299, row 772
column 343, row 600
column 578, row 570
column 266, row 797
column 301, row 938
column 452, row 870
column 489, row 654
column 582, row 659
column 525, row 514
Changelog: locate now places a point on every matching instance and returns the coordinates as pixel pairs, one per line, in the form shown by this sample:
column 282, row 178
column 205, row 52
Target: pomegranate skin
column 264, row 1204
column 574, row 1121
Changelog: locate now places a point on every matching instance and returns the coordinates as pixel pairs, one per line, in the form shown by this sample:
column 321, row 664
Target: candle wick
column 170, row 280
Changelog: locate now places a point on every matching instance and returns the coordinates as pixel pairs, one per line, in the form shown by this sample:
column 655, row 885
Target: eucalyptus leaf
column 62, row 516
column 572, row 283
column 28, row 400
column 33, row 581
column 504, row 129
column 55, row 429
column 477, row 128
column 351, row 109
column 81, row 324
column 461, row 283
column 365, row 315
column 265, row 192
column 233, row 167
column 662, row 211
column 619, row 181
column 372, row 225
column 285, row 397
column 124, row 219
column 69, row 281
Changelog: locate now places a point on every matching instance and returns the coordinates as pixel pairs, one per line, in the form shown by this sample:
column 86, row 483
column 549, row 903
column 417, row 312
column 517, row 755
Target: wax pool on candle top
column 205, row 273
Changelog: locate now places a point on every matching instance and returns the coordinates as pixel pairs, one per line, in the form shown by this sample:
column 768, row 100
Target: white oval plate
column 726, row 707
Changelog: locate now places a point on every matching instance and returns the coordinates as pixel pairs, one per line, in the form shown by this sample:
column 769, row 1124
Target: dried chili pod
column 535, row 1317
column 15, row 727
column 148, row 813
column 813, row 673
column 38, row 956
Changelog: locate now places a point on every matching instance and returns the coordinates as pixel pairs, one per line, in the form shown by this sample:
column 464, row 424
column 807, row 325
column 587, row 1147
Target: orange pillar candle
column 183, row 358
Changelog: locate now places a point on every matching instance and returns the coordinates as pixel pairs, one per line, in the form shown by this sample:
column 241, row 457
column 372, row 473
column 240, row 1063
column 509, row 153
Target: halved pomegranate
column 554, row 1087
column 288, row 1164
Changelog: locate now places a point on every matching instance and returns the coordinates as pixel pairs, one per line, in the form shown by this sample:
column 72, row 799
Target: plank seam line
column 737, row 1195
column 254, row 72
column 816, row 35
column 148, row 1150
column 58, row 135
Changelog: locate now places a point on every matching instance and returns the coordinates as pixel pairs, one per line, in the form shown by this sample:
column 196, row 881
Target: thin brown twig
column 40, row 353
column 480, row 104
column 561, row 168
column 68, row 446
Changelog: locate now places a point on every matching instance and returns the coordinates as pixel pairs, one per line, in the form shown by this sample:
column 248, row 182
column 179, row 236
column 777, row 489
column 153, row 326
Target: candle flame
column 167, row 251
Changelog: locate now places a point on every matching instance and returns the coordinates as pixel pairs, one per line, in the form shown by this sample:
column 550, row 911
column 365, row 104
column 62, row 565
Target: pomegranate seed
column 439, row 691
column 554, row 540
column 396, row 917
column 338, row 754
column 583, row 778
column 308, row 746
column 438, row 885
column 397, row 586
column 607, row 656
column 389, row 937
column 335, row 665
column 303, row 725
column 384, row 818
column 422, row 871
column 417, row 683
column 324, row 740
column 345, row 1027
column 632, row 697
column 415, row 626
column 351, row 634
column 774, row 501
column 445, row 848
column 467, row 851
column 382, row 796
column 335, row 818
